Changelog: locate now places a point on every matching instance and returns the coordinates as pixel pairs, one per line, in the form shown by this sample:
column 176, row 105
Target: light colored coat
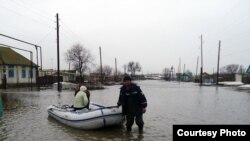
column 80, row 100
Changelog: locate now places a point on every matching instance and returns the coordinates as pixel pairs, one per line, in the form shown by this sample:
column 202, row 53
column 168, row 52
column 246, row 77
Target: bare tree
column 242, row 69
column 109, row 72
column 106, row 70
column 133, row 67
column 80, row 58
column 232, row 68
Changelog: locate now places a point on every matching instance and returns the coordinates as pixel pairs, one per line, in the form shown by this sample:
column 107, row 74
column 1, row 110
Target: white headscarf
column 83, row 88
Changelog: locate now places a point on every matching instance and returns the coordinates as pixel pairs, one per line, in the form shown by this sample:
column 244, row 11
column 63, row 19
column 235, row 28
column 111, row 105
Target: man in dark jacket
column 133, row 103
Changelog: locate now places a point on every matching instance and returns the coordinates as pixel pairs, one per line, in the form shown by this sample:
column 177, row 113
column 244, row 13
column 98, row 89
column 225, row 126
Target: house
column 69, row 75
column 15, row 69
column 207, row 79
column 95, row 77
column 186, row 77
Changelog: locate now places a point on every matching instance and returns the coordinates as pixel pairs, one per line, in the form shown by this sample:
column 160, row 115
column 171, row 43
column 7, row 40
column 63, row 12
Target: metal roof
column 248, row 70
column 11, row 57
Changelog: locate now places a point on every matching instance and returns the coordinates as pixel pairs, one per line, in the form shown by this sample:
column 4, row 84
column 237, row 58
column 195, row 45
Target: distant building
column 95, row 77
column 154, row 76
column 69, row 76
column 207, row 78
column 15, row 69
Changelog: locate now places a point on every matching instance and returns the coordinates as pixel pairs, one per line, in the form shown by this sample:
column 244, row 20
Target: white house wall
column 27, row 78
column 238, row 77
column 17, row 79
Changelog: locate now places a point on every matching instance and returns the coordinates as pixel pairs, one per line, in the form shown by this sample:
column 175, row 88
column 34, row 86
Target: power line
column 225, row 14
column 30, row 9
column 63, row 23
column 46, row 35
column 37, row 8
column 22, row 15
column 232, row 25
column 228, row 14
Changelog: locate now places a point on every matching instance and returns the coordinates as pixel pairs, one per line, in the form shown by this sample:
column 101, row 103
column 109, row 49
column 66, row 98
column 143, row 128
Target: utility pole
column 218, row 64
column 184, row 69
column 37, row 73
column 101, row 63
column 31, row 69
column 171, row 73
column 41, row 58
column 197, row 67
column 125, row 68
column 52, row 63
column 179, row 70
column 201, row 63
column 115, row 69
column 183, row 74
column 58, row 54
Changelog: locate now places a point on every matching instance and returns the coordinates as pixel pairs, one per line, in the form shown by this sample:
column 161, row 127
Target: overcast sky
column 156, row 33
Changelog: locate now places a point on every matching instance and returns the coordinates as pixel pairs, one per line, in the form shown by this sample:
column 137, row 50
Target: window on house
column 23, row 72
column 31, row 74
column 11, row 71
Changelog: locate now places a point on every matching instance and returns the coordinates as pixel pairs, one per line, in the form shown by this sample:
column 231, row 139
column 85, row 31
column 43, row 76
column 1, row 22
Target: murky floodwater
column 25, row 116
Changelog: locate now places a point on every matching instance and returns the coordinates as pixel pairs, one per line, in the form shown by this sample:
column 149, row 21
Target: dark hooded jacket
column 132, row 100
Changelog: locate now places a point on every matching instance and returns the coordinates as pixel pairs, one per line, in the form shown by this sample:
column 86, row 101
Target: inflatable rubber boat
column 97, row 116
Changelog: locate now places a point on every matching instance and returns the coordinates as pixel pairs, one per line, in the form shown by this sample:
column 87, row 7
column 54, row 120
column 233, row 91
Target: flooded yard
column 25, row 116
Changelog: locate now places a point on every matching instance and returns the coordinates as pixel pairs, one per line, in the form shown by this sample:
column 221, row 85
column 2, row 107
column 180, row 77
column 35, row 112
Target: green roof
column 10, row 57
column 248, row 70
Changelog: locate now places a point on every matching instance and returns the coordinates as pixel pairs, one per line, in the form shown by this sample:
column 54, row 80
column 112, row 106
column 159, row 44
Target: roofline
column 20, row 65
column 10, row 47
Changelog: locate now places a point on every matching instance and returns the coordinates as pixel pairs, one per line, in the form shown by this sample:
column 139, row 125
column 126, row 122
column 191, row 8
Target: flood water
column 25, row 116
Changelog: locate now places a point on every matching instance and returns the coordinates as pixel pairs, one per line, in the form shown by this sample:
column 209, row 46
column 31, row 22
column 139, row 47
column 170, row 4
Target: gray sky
column 156, row 33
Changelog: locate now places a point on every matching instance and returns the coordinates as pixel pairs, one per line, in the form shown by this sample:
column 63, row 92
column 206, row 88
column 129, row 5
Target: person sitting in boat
column 81, row 100
column 77, row 89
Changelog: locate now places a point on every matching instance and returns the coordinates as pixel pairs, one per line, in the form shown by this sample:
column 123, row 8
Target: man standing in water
column 133, row 103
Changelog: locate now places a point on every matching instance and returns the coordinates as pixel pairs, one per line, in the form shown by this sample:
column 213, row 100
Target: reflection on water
column 1, row 106
column 25, row 116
